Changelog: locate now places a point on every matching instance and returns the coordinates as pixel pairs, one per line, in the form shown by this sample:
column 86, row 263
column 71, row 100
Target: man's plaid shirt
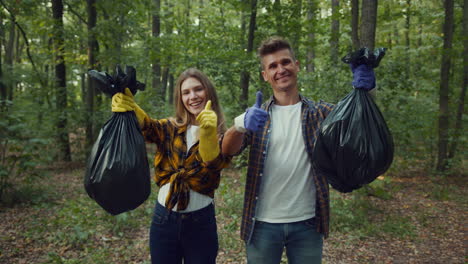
column 312, row 116
column 174, row 165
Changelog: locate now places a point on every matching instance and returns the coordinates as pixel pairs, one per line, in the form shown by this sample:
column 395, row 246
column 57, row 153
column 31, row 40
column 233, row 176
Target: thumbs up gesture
column 208, row 146
column 207, row 118
column 255, row 117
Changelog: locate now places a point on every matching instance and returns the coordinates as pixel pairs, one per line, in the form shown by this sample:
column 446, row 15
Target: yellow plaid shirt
column 184, row 170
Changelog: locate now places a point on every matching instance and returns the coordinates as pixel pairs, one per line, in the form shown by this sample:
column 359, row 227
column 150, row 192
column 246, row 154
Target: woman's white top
column 197, row 200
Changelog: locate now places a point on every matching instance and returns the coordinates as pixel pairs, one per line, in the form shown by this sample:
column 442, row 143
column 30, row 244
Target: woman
column 187, row 170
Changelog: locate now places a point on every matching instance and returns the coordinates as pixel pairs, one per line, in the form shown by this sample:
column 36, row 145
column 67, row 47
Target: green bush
column 20, row 155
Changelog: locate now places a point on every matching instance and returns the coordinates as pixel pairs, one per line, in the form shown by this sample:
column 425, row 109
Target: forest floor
column 408, row 218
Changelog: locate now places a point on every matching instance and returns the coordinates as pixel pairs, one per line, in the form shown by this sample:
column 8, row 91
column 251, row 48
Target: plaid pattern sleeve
column 312, row 116
column 183, row 170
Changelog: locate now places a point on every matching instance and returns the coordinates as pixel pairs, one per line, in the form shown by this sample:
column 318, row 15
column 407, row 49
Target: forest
column 51, row 113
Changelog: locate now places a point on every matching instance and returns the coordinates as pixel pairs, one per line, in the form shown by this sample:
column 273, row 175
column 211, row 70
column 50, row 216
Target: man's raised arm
column 252, row 120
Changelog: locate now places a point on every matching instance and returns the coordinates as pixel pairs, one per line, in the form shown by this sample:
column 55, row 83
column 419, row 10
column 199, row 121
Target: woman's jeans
column 302, row 242
column 191, row 237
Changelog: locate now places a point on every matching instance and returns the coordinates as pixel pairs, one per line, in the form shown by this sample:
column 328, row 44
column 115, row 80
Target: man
column 286, row 204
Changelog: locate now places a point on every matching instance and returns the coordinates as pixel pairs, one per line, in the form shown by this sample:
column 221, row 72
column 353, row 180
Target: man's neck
column 287, row 97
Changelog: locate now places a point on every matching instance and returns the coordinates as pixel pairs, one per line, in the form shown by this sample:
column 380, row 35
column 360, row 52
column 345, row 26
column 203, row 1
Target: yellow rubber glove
column 125, row 103
column 208, row 147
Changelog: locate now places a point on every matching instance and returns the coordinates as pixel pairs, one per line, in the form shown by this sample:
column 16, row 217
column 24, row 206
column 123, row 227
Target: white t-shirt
column 197, row 200
column 287, row 191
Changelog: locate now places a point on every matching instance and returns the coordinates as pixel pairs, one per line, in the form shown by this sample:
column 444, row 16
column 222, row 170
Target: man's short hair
column 272, row 45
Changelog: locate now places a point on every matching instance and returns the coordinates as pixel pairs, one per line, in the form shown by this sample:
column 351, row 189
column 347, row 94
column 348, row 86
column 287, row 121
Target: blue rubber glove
column 363, row 76
column 255, row 117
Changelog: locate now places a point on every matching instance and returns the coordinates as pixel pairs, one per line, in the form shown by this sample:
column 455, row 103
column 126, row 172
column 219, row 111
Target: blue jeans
column 302, row 242
column 191, row 237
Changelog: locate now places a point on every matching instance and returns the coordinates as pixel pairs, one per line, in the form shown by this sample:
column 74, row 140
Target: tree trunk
column 9, row 60
column 444, row 87
column 396, row 35
column 244, row 81
column 407, row 38
column 335, row 32
column 245, row 76
column 3, row 91
column 311, row 9
column 368, row 23
column 64, row 153
column 90, row 92
column 165, row 71
column 44, row 96
column 165, row 78
column 243, row 31
column 18, row 48
column 461, row 100
column 171, row 88
column 200, row 17
column 156, row 49
column 355, row 24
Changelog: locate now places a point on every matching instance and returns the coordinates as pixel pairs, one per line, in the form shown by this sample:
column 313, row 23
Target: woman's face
column 193, row 95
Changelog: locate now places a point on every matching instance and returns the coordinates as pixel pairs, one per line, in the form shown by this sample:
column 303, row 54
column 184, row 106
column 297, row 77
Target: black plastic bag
column 363, row 56
column 354, row 145
column 117, row 175
column 111, row 85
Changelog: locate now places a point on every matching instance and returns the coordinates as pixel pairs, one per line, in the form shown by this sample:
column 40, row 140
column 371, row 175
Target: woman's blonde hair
column 184, row 117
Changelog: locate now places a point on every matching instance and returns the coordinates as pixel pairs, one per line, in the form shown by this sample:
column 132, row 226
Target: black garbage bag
column 354, row 145
column 117, row 174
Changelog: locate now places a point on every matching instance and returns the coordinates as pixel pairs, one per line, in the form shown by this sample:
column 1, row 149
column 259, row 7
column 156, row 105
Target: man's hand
column 208, row 147
column 125, row 103
column 255, row 117
column 363, row 76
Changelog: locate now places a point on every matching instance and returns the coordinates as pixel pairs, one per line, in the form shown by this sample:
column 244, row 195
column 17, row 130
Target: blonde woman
column 187, row 170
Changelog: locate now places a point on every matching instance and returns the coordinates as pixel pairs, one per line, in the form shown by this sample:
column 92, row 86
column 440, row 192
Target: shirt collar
column 271, row 101
column 181, row 129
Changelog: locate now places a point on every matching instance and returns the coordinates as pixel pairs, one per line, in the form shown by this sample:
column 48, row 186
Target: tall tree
column 407, row 37
column 3, row 91
column 355, row 24
column 245, row 76
column 335, row 31
column 444, row 89
column 156, row 49
column 9, row 56
column 368, row 23
column 166, row 71
column 171, row 88
column 92, row 52
column 311, row 10
column 461, row 98
column 64, row 153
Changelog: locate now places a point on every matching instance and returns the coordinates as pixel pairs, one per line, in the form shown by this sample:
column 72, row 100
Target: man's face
column 280, row 70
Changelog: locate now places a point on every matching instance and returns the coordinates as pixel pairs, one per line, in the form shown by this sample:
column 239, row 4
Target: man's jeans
column 189, row 236
column 302, row 241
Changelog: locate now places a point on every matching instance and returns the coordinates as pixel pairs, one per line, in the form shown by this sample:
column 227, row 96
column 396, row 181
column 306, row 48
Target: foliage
column 357, row 215
column 21, row 154
column 212, row 36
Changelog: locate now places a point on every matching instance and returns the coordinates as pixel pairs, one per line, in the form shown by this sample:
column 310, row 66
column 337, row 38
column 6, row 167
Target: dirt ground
column 440, row 229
